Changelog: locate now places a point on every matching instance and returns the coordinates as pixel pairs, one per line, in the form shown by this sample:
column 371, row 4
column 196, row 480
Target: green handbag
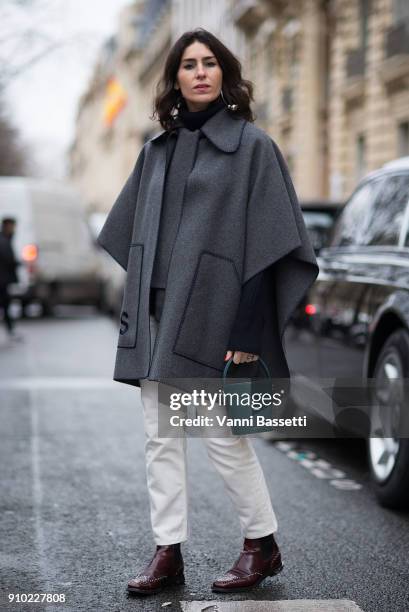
column 238, row 408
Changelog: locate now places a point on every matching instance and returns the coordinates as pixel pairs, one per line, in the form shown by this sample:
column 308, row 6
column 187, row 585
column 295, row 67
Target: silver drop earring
column 178, row 104
column 232, row 107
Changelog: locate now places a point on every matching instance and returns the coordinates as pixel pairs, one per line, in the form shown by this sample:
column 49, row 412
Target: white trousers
column 234, row 458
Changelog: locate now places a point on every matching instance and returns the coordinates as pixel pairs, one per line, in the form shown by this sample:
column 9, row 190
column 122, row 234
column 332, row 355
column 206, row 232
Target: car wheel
column 388, row 452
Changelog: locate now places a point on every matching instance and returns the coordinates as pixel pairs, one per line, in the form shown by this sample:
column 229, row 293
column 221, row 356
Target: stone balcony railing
column 248, row 14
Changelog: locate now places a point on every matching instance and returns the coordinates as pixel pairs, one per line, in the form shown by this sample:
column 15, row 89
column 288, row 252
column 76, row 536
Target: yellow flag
column 115, row 99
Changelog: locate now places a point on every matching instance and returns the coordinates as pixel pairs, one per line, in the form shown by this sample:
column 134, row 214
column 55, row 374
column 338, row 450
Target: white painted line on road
column 338, row 473
column 307, row 463
column 289, row 605
column 320, row 473
column 40, row 538
column 320, row 468
column 346, row 485
column 59, row 382
column 322, row 464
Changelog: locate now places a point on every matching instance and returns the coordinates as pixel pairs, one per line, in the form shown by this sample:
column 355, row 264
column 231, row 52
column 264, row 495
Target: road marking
column 291, row 605
column 58, row 382
column 40, row 536
column 346, row 485
column 320, row 468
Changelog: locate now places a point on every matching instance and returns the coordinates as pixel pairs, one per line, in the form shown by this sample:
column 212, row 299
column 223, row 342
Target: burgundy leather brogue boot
column 258, row 559
column 165, row 569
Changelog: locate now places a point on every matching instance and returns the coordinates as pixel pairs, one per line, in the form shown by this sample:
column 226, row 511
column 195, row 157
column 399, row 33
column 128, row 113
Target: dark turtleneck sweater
column 193, row 120
column 247, row 330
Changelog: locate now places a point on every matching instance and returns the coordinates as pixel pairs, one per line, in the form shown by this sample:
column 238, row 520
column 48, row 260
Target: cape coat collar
column 222, row 129
column 233, row 226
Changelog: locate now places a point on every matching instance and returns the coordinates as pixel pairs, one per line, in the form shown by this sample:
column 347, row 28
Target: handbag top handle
column 230, row 361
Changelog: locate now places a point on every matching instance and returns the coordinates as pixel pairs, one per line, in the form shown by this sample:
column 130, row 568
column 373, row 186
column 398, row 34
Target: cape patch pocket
column 128, row 323
column 211, row 305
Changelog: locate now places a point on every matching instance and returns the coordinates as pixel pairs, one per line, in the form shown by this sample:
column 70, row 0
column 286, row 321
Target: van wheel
column 388, row 450
column 50, row 301
column 47, row 308
column 102, row 303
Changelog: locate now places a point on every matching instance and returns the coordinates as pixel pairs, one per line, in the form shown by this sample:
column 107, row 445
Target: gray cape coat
column 240, row 215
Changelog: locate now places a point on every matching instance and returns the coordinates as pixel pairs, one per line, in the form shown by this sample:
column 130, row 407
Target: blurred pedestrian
column 8, row 273
column 210, row 231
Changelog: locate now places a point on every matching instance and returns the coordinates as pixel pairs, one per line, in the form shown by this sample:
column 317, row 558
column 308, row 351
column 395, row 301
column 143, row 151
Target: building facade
column 369, row 88
column 331, row 85
column 113, row 118
column 286, row 55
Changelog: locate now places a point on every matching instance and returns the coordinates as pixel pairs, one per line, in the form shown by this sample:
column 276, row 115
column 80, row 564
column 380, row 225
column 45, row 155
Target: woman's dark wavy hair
column 236, row 90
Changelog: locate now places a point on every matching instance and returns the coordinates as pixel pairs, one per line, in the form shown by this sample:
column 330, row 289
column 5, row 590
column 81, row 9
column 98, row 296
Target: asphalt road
column 74, row 515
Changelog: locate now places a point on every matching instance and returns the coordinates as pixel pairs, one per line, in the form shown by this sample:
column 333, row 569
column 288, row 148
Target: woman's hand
column 240, row 357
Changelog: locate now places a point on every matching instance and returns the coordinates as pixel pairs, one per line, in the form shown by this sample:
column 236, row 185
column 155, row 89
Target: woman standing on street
column 209, row 229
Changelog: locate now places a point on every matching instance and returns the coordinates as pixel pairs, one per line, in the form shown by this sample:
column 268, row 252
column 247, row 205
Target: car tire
column 388, row 457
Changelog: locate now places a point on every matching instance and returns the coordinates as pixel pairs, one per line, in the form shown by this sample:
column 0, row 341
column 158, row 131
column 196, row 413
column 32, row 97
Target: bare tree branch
column 14, row 157
column 27, row 36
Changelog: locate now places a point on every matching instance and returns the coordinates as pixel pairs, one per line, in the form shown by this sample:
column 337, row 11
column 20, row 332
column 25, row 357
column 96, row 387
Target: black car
column 354, row 323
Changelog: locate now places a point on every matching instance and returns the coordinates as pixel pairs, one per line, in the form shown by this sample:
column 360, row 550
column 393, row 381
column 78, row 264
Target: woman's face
column 199, row 66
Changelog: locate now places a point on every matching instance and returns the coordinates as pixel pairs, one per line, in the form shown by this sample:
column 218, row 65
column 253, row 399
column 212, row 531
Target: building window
column 403, row 139
column 294, row 56
column 364, row 16
column 360, row 168
column 290, row 163
column 269, row 69
column 287, row 99
column 400, row 11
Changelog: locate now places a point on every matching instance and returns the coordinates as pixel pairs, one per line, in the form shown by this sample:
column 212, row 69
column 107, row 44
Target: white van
column 52, row 241
column 112, row 275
